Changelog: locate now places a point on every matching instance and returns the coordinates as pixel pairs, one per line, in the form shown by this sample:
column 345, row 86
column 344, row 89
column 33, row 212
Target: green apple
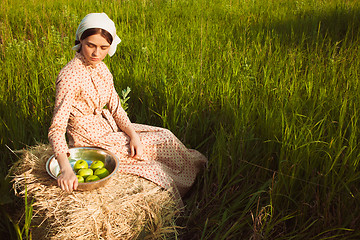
column 101, row 172
column 92, row 178
column 80, row 179
column 96, row 165
column 85, row 172
column 80, row 164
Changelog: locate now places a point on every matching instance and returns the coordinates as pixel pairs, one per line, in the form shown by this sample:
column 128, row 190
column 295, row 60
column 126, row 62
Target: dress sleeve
column 66, row 91
column 120, row 116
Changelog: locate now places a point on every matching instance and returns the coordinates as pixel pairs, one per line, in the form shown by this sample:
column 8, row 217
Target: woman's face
column 94, row 48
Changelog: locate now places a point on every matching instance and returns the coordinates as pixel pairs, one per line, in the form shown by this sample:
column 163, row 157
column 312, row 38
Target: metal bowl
column 89, row 154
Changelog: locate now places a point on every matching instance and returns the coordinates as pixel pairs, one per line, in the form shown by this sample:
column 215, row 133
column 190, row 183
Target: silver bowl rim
column 91, row 148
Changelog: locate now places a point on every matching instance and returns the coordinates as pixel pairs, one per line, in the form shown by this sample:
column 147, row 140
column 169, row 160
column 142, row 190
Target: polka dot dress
column 88, row 110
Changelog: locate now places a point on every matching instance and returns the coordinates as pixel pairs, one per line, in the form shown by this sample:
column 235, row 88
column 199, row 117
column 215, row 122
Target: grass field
column 267, row 90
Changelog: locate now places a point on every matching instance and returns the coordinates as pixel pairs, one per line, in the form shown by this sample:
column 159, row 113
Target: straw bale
column 127, row 207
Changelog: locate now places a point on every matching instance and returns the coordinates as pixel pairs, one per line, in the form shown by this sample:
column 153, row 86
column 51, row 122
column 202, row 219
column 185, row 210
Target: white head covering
column 98, row 20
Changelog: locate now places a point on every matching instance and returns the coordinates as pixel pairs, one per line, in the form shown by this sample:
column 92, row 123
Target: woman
column 88, row 110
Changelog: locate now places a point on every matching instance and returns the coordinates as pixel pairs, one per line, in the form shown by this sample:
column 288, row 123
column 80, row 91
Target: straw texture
column 127, row 207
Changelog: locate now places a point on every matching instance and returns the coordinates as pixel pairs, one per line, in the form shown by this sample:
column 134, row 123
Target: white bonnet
column 98, row 20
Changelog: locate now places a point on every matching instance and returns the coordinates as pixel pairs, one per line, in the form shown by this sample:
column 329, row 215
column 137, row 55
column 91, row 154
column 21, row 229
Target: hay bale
column 127, row 207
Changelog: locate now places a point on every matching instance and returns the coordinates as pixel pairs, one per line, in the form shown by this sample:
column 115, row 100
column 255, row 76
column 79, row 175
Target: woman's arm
column 123, row 122
column 67, row 88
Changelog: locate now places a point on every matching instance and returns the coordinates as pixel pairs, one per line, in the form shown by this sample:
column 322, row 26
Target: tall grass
column 268, row 90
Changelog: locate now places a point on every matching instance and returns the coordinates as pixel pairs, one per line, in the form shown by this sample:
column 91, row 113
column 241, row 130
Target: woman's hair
column 94, row 31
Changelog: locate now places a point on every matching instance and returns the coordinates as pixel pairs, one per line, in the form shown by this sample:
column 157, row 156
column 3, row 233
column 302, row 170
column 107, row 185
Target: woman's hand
column 136, row 147
column 67, row 180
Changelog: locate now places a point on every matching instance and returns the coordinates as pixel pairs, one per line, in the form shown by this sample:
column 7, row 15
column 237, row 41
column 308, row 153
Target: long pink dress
column 88, row 109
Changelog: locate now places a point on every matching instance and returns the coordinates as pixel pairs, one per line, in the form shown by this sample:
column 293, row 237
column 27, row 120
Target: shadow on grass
column 337, row 24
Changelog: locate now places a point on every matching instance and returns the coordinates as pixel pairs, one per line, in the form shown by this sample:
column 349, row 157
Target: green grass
column 268, row 90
